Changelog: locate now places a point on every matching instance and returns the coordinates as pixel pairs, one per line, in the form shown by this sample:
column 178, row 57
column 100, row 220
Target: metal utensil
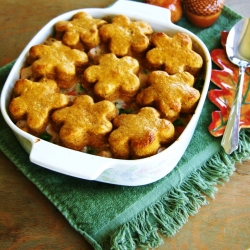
column 238, row 52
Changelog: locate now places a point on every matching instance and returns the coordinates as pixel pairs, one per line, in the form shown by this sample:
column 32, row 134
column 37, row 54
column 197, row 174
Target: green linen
column 119, row 217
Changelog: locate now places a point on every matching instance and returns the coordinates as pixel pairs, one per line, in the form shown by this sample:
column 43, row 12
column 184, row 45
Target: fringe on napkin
column 171, row 212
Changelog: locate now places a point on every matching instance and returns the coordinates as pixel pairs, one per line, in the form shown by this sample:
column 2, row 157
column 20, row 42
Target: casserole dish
column 91, row 167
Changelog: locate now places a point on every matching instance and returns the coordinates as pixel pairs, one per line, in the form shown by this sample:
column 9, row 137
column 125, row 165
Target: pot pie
column 89, row 90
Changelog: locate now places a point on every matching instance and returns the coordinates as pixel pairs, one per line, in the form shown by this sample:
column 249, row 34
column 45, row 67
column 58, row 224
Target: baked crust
column 170, row 94
column 57, row 61
column 140, row 135
column 35, row 101
column 174, row 54
column 114, row 78
column 85, row 123
column 124, row 35
column 82, row 29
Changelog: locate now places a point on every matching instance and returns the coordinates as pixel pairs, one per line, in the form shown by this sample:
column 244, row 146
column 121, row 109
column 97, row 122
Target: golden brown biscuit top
column 35, row 100
column 124, row 34
column 140, row 135
column 57, row 61
column 112, row 75
column 83, row 27
column 175, row 53
column 171, row 94
column 84, row 120
column 117, row 71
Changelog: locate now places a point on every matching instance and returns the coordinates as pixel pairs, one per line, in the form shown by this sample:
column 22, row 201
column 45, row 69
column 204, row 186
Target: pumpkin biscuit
column 170, row 94
column 139, row 135
column 114, row 78
column 34, row 101
column 57, row 61
column 122, row 34
column 81, row 29
column 85, row 123
column 174, row 54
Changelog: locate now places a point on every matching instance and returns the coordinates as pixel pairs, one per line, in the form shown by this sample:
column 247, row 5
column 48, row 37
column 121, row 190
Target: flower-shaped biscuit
column 35, row 101
column 123, row 35
column 57, row 61
column 170, row 94
column 174, row 54
column 139, row 135
column 114, row 78
column 83, row 28
column 85, row 123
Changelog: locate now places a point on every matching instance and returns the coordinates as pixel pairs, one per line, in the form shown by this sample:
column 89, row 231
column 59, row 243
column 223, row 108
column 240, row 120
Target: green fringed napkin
column 117, row 217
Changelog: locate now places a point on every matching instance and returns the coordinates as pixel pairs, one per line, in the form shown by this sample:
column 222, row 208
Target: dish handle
column 67, row 161
column 133, row 7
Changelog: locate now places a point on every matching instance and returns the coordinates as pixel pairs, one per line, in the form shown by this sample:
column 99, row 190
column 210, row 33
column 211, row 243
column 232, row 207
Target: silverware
column 238, row 52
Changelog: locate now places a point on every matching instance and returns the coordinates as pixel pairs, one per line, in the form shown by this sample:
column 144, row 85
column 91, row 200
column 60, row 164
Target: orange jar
column 174, row 6
column 203, row 13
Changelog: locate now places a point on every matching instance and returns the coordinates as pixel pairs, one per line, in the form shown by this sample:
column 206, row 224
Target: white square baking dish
column 91, row 167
